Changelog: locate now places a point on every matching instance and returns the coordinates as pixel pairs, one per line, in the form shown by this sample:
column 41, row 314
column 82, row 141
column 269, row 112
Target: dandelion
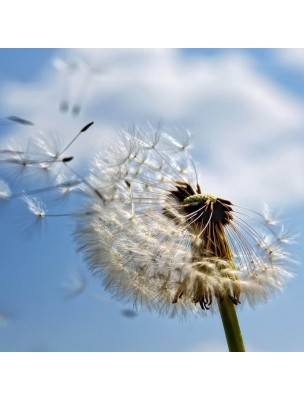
column 160, row 241
column 156, row 237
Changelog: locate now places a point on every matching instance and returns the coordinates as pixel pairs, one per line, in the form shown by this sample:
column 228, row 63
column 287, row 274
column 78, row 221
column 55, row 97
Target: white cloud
column 293, row 58
column 247, row 130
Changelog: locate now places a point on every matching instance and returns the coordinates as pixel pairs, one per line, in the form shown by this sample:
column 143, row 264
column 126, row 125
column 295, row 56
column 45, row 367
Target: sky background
column 245, row 110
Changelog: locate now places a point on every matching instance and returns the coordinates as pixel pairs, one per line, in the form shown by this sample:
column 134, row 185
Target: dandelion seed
column 35, row 221
column 270, row 216
column 77, row 74
column 160, row 242
column 286, row 237
column 42, row 151
column 128, row 313
column 19, row 120
column 74, row 285
column 35, row 205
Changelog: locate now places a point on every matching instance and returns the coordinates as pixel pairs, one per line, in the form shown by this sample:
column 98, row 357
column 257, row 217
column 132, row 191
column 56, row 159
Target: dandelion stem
column 231, row 326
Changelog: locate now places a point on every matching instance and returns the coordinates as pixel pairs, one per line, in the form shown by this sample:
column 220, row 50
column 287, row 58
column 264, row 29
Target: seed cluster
column 158, row 241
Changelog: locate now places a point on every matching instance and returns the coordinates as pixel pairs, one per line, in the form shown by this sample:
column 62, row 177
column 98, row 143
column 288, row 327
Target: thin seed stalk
column 216, row 244
column 219, row 245
column 231, row 326
column 227, row 308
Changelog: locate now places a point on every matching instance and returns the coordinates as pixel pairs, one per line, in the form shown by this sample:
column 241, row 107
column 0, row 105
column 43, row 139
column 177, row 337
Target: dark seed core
column 202, row 207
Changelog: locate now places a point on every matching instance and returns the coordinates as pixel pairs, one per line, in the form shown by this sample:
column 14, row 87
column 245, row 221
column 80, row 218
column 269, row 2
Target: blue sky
column 245, row 110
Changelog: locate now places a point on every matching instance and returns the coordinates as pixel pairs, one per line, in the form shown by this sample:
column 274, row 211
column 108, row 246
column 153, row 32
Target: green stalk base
column 231, row 326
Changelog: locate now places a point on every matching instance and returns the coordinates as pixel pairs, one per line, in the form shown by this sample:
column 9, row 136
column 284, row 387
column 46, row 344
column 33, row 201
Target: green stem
column 231, row 325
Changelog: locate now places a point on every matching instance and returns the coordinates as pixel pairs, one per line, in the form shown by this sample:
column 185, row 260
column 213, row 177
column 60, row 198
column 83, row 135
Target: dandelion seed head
column 161, row 242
